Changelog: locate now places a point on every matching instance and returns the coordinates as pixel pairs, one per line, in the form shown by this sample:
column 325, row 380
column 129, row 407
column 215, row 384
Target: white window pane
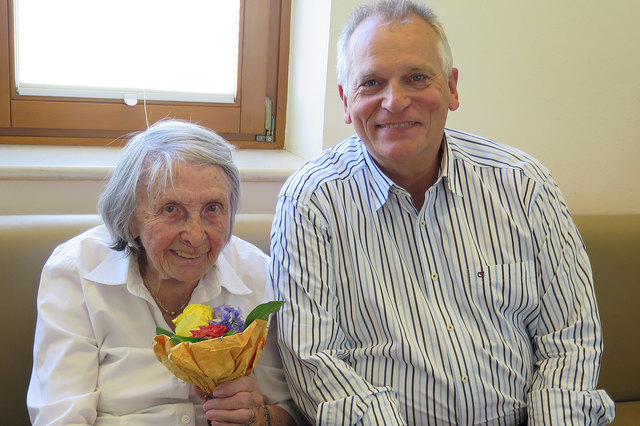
column 157, row 48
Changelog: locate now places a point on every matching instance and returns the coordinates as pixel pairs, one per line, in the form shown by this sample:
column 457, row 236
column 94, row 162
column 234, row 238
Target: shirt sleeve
column 566, row 335
column 271, row 378
column 312, row 344
column 65, row 355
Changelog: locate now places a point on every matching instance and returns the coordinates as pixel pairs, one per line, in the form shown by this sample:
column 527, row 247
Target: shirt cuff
column 563, row 407
column 362, row 409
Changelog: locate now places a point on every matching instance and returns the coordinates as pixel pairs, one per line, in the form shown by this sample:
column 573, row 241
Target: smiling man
column 397, row 95
column 431, row 276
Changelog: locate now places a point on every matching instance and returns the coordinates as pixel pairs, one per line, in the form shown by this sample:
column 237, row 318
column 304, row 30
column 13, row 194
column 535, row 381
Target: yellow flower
column 192, row 317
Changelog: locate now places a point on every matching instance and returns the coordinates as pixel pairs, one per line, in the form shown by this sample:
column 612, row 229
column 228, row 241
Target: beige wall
column 558, row 79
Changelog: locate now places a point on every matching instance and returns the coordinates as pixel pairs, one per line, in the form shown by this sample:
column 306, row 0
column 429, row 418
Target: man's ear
column 344, row 97
column 454, row 101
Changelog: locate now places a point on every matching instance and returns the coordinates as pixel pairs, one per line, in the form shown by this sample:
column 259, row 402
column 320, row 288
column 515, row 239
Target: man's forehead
column 373, row 36
column 372, row 52
column 382, row 24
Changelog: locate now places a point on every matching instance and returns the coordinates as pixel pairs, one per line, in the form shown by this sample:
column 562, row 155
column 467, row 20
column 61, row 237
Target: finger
column 241, row 384
column 235, row 402
column 244, row 416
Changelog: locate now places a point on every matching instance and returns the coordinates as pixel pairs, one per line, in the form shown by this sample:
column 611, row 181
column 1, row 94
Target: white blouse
column 93, row 356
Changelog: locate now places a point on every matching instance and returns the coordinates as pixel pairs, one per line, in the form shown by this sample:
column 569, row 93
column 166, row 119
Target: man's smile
column 398, row 125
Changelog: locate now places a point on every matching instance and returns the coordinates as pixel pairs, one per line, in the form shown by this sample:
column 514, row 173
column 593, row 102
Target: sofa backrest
column 613, row 243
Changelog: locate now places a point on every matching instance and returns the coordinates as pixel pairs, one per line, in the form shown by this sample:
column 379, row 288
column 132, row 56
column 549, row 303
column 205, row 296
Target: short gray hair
column 390, row 11
column 149, row 157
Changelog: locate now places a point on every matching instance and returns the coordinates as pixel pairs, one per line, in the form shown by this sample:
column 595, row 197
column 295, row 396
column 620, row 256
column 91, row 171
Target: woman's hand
column 237, row 401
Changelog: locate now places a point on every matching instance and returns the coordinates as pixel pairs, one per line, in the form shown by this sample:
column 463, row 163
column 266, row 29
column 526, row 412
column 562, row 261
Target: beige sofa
column 26, row 241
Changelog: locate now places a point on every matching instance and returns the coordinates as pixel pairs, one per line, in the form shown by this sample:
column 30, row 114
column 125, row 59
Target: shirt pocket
column 504, row 296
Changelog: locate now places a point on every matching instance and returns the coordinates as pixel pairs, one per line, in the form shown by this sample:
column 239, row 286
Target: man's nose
column 395, row 97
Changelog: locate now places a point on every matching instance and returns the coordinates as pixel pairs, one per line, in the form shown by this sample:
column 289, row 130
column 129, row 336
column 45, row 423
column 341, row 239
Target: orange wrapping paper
column 213, row 361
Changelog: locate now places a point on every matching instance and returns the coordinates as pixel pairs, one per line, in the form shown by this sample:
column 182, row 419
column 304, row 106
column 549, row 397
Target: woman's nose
column 395, row 97
column 193, row 232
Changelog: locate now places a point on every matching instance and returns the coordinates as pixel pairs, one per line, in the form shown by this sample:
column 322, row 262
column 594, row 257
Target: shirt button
column 422, row 223
column 450, row 327
column 186, row 419
column 398, row 191
column 434, row 276
column 465, row 379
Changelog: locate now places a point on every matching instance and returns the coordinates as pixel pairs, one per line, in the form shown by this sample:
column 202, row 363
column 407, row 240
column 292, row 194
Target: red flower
column 210, row 331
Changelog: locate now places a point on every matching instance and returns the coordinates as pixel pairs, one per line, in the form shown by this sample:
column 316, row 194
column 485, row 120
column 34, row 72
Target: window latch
column 269, row 121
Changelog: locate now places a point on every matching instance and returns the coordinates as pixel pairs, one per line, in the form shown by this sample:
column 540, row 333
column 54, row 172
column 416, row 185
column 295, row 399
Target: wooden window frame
column 262, row 73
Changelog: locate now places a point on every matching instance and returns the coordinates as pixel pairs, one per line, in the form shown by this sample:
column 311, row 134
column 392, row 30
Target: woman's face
column 184, row 227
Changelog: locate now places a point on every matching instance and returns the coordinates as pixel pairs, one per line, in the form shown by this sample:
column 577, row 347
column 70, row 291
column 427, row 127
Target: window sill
column 30, row 162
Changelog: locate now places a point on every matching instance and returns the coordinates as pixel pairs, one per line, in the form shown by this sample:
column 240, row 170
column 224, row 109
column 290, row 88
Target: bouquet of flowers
column 212, row 346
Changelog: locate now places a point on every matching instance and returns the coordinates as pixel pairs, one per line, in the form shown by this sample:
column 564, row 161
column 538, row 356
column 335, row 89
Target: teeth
column 186, row 255
column 395, row 126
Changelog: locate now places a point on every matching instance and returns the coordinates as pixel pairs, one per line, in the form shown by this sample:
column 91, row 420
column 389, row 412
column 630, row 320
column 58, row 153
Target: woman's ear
column 133, row 229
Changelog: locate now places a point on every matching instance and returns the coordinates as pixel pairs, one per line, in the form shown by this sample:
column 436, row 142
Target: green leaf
column 262, row 312
column 179, row 339
column 174, row 338
column 160, row 331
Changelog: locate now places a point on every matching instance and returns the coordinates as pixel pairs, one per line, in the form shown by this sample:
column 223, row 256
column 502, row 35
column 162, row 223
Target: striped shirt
column 477, row 308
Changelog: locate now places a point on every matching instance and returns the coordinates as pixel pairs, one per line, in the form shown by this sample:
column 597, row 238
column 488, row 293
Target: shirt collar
column 448, row 167
column 112, row 270
column 222, row 275
column 383, row 185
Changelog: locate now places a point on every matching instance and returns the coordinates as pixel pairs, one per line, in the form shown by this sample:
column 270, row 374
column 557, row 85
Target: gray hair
column 149, row 157
column 390, row 12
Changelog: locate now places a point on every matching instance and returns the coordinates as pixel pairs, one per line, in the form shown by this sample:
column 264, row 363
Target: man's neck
column 417, row 182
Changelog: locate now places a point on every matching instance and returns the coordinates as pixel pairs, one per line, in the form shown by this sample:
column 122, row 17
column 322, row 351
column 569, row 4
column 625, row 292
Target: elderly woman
column 166, row 242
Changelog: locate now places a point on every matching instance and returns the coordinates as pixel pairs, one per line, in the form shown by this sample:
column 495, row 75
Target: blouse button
column 186, row 419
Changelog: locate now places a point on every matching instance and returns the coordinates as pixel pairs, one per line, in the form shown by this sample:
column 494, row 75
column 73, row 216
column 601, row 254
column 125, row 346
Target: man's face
column 398, row 96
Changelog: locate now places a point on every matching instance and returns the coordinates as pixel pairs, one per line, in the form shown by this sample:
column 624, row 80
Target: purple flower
column 229, row 317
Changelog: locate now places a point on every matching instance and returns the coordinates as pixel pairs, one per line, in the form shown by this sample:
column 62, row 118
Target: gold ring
column 252, row 417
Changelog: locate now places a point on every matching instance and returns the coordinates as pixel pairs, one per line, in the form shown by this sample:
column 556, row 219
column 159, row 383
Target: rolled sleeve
column 567, row 336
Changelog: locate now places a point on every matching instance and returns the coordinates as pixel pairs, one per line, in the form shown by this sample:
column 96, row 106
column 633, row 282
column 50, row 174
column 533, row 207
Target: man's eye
column 170, row 209
column 370, row 83
column 418, row 78
column 212, row 208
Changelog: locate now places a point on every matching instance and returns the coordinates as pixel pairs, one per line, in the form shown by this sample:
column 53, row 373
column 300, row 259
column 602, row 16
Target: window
column 248, row 109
